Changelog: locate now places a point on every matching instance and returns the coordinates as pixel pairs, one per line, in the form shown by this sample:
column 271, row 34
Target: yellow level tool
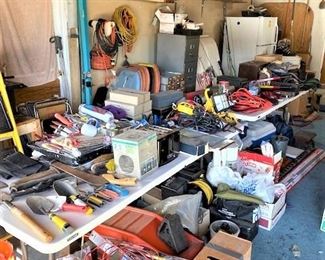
column 13, row 134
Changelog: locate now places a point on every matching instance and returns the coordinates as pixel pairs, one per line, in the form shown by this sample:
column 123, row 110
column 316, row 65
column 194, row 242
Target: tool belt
column 234, row 209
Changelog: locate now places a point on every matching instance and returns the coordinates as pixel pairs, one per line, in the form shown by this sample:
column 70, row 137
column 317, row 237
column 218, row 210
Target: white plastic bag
column 186, row 206
column 260, row 185
column 222, row 174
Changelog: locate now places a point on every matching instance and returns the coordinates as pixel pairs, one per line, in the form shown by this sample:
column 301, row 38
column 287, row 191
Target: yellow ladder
column 14, row 135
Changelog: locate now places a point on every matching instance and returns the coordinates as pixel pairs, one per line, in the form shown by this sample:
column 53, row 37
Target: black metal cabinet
column 179, row 53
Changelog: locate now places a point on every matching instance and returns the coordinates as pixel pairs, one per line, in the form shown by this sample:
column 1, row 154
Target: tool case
column 258, row 132
column 248, row 230
column 66, row 158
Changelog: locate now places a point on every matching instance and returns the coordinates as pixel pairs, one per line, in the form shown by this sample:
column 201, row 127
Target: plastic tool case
column 257, row 132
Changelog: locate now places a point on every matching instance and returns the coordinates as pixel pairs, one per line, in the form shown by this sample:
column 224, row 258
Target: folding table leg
column 24, row 253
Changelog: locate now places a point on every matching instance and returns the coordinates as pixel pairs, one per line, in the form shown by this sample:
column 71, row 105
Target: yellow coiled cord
column 127, row 26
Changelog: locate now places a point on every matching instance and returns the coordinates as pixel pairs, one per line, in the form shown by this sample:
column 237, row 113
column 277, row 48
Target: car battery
column 248, row 230
column 174, row 186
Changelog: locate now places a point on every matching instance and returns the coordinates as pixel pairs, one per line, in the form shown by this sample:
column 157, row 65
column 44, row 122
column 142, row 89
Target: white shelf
column 82, row 223
column 252, row 117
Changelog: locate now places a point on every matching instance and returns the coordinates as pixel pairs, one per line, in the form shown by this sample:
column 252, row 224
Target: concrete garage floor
column 300, row 224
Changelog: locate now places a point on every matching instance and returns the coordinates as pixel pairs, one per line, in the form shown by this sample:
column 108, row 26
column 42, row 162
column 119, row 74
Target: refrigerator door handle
column 276, row 34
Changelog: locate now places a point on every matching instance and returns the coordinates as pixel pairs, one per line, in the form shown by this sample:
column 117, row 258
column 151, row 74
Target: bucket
column 280, row 143
column 6, row 250
column 224, row 225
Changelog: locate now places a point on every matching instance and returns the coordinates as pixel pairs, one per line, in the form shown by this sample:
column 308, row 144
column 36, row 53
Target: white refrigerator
column 246, row 37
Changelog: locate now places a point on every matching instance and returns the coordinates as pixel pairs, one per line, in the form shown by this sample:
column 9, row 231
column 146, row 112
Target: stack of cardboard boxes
column 135, row 103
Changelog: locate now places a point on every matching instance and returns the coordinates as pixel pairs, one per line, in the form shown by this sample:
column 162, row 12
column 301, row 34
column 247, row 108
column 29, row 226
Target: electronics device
column 135, row 152
column 168, row 143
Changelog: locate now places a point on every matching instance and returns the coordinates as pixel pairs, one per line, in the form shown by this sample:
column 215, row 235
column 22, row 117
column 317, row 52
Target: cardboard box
column 127, row 97
column 259, row 163
column 268, row 57
column 165, row 15
column 269, row 224
column 147, row 106
column 270, row 210
column 166, row 19
column 306, row 57
column 294, row 60
column 166, row 28
column 145, row 94
column 135, row 152
column 131, row 110
column 299, row 106
column 226, row 247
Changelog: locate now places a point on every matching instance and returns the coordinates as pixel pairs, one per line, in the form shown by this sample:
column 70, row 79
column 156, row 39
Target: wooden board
column 322, row 77
column 74, row 70
column 302, row 24
column 36, row 93
column 28, row 126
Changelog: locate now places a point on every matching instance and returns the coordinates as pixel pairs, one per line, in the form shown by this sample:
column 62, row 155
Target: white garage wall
column 144, row 48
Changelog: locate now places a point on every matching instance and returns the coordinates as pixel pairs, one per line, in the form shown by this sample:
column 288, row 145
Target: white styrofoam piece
column 293, row 152
column 262, row 114
column 83, row 223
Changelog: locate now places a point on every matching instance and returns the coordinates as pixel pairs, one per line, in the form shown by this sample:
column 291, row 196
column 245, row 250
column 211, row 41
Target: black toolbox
column 248, row 230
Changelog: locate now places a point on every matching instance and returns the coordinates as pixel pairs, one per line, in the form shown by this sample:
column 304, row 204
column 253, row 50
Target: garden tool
column 43, row 206
column 93, row 200
column 61, row 204
column 108, row 195
column 25, row 218
column 63, row 188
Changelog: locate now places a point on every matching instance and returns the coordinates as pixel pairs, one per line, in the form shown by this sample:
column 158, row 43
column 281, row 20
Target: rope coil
column 127, row 26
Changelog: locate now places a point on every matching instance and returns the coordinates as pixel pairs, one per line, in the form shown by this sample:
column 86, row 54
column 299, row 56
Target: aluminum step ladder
column 12, row 134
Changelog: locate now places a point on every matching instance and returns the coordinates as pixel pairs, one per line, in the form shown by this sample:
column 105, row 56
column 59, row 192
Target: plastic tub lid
column 259, row 129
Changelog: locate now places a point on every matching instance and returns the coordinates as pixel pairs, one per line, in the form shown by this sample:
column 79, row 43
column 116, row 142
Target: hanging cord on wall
column 105, row 47
column 127, row 26
column 108, row 43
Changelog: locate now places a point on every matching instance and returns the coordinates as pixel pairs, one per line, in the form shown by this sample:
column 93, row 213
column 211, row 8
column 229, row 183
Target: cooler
column 257, row 132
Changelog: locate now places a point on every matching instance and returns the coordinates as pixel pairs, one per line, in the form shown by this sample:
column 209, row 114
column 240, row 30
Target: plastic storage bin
column 257, row 132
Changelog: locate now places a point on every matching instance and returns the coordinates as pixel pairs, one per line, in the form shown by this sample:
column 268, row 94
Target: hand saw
column 94, row 180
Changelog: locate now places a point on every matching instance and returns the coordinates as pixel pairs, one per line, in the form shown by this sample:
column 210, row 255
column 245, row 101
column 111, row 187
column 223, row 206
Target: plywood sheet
column 322, row 78
column 302, row 23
